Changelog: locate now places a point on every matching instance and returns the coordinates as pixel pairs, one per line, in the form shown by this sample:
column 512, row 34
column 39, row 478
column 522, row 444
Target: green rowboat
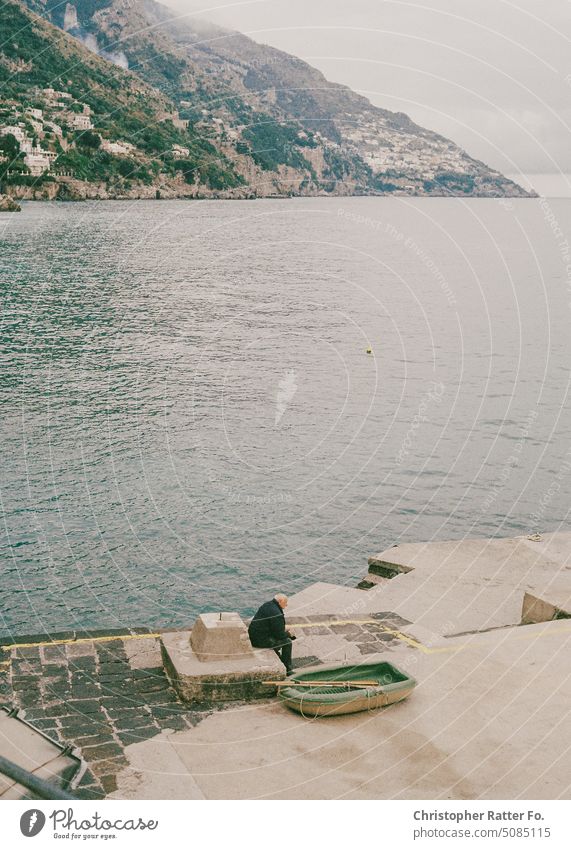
column 393, row 685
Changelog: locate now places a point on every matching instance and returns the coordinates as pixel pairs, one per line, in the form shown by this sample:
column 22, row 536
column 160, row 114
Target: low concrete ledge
column 535, row 609
column 384, row 568
column 238, row 678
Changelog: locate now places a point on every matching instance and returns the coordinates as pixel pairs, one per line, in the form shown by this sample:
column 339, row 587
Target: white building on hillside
column 117, row 148
column 52, row 94
column 38, row 163
column 80, row 122
column 51, row 155
column 18, row 133
column 180, row 152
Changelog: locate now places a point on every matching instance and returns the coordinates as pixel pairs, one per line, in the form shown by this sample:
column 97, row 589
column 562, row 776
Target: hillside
column 262, row 97
column 64, row 106
column 253, row 120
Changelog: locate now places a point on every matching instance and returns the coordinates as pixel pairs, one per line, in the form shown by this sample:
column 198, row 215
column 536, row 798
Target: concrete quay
column 488, row 719
column 453, row 587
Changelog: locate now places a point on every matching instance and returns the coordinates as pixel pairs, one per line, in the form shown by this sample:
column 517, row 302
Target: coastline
column 69, row 189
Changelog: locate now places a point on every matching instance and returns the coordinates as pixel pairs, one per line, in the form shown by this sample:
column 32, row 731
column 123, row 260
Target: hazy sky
column 493, row 75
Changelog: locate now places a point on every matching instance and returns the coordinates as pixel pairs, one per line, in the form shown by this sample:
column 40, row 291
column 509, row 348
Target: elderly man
column 267, row 630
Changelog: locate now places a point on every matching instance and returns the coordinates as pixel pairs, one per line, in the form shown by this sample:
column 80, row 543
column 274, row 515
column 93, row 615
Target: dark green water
column 190, row 419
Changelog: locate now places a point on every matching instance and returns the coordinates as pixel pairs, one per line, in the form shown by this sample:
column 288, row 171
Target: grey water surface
column 191, row 421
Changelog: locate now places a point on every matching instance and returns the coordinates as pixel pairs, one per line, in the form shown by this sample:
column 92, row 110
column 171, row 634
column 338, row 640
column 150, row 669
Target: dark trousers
column 281, row 647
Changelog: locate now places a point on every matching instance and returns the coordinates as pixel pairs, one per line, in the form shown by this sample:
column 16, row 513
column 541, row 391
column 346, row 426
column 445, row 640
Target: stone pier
column 481, row 624
column 215, row 661
column 485, row 721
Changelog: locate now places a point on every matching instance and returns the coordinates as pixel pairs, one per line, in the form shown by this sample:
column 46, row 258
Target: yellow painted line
column 443, row 650
column 546, row 632
column 409, row 640
column 77, row 642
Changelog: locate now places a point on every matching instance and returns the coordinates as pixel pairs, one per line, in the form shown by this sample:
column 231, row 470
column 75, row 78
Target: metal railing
column 40, row 788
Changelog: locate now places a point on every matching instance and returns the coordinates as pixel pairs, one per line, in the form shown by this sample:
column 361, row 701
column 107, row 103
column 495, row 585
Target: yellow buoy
column 369, row 350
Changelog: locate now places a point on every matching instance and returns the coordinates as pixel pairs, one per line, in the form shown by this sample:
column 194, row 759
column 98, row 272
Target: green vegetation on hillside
column 275, row 144
column 122, row 106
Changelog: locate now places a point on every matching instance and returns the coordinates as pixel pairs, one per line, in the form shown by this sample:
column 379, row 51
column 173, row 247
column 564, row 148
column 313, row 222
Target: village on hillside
column 34, row 136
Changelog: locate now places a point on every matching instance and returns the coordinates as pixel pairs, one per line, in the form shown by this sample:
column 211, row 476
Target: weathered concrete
column 98, row 694
column 455, row 586
column 487, row 717
column 323, row 597
column 387, row 567
column 235, row 677
column 332, row 638
column 486, row 721
column 165, row 773
column 220, row 636
column 111, row 691
column 555, row 606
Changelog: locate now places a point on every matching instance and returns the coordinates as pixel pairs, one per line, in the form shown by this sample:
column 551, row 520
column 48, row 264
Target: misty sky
column 493, row 75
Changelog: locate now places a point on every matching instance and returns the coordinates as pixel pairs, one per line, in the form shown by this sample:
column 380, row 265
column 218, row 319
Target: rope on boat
column 368, row 692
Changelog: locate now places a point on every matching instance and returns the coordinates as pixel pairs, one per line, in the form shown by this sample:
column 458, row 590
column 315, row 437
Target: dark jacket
column 268, row 625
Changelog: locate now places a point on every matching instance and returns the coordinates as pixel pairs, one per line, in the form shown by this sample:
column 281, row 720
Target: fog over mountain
column 492, row 75
column 286, row 128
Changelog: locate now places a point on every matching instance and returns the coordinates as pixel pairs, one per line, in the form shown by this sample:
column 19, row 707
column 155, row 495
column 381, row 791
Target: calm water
column 190, row 419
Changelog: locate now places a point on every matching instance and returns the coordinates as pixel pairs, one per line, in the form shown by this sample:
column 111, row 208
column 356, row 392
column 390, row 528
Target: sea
column 207, row 402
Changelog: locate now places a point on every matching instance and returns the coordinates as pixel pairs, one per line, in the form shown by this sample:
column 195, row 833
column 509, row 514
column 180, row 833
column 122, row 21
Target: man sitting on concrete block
column 267, row 630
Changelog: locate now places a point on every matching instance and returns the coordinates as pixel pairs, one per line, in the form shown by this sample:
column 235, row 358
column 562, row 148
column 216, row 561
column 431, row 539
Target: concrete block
column 220, row 636
column 239, row 677
column 143, row 654
column 155, row 771
column 327, row 598
column 555, row 606
column 387, row 565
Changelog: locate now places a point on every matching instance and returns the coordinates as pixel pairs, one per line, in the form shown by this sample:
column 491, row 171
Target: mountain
column 75, row 125
column 257, row 121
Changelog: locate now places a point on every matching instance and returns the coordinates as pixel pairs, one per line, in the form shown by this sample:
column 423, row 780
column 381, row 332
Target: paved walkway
column 488, row 720
column 108, row 693
column 101, row 695
column 329, row 638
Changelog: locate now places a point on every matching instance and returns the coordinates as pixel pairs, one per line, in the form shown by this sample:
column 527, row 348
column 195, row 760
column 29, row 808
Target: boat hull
column 394, row 686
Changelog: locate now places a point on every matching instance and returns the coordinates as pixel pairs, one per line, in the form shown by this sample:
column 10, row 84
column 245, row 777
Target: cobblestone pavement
column 378, row 632
column 103, row 694
column 99, row 696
